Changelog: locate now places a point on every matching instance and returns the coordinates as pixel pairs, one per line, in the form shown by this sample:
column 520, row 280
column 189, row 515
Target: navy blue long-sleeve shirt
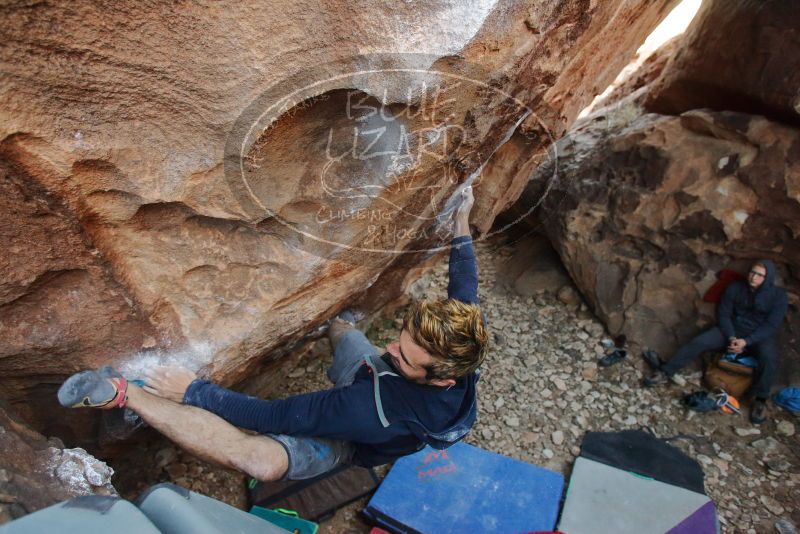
column 753, row 315
column 416, row 413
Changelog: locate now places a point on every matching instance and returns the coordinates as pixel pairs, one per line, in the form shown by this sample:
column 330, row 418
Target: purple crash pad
column 703, row 521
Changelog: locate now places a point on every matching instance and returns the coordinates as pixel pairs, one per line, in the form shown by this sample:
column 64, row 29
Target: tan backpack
column 734, row 378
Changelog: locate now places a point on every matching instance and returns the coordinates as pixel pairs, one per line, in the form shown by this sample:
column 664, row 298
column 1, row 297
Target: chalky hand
column 169, row 382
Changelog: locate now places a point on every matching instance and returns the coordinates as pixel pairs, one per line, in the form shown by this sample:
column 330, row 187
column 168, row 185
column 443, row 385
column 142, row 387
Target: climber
column 420, row 390
column 748, row 317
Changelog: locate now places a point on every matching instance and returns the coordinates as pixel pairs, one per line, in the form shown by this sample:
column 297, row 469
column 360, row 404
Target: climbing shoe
column 656, row 379
column 350, row 316
column 610, row 359
column 653, row 359
column 108, row 372
column 758, row 412
column 94, row 389
column 120, row 424
column 700, row 401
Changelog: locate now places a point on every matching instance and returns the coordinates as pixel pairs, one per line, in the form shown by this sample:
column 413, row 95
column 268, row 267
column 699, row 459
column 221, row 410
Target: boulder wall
column 208, row 184
column 648, row 208
column 738, row 56
column 36, row 472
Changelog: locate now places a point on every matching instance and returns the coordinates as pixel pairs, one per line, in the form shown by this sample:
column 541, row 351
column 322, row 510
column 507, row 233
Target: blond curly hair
column 452, row 332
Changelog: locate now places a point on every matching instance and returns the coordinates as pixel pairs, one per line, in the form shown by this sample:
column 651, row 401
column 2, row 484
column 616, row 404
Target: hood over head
column 466, row 415
column 769, row 279
column 765, row 295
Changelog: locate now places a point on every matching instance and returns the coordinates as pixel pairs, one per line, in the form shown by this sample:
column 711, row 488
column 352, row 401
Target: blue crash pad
column 466, row 489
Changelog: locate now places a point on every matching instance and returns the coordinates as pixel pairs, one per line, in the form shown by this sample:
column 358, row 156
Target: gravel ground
column 540, row 392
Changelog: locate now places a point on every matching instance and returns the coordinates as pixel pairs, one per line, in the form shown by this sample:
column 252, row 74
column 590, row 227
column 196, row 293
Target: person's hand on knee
column 169, row 382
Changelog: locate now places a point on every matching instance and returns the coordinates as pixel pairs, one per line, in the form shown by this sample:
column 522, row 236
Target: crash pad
column 163, row 509
column 91, row 513
column 698, row 521
column 286, row 519
column 466, row 489
column 176, row 510
column 318, row 498
column 628, row 503
column 642, row 453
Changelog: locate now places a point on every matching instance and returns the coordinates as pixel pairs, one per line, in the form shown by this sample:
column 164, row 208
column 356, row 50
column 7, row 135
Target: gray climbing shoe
column 658, row 378
column 350, row 316
column 93, row 389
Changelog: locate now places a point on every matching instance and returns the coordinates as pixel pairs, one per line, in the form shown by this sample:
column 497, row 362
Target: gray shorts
column 309, row 457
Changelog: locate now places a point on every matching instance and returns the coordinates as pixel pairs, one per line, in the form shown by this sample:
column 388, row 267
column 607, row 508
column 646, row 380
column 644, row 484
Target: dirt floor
column 540, row 392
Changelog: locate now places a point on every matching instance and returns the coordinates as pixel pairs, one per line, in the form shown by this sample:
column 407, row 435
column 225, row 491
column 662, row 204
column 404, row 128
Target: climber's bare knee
column 261, row 457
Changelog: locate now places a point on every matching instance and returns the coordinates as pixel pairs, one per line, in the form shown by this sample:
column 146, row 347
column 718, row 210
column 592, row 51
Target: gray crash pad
column 626, row 503
column 175, row 510
column 84, row 515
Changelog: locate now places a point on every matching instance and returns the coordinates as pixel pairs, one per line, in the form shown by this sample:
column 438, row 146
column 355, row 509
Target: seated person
column 748, row 317
column 421, row 390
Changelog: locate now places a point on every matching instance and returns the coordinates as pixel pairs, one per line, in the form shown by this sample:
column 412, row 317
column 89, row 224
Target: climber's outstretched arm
column 463, row 268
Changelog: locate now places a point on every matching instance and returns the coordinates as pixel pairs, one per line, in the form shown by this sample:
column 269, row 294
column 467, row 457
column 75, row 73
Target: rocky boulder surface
column 691, row 167
column 36, row 472
column 741, row 56
column 207, row 184
column 648, row 208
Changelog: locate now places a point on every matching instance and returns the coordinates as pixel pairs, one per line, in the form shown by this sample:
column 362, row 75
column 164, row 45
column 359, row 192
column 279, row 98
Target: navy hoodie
column 753, row 315
column 400, row 419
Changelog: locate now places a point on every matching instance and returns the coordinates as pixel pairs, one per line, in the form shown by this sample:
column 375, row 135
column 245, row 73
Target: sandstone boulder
column 642, row 75
column 533, row 268
column 207, row 184
column 648, row 208
column 36, row 472
column 739, row 56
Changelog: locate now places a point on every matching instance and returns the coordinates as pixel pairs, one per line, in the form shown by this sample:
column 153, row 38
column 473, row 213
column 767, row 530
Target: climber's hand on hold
column 169, row 382
column 462, row 212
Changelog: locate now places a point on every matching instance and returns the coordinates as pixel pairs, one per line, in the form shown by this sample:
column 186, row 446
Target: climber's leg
column 210, row 437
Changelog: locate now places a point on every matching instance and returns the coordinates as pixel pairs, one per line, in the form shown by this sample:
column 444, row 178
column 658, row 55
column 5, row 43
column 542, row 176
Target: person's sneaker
column 658, row 378
column 758, row 412
column 610, row 359
column 784, row 526
column 652, row 358
column 91, row 389
column 678, row 380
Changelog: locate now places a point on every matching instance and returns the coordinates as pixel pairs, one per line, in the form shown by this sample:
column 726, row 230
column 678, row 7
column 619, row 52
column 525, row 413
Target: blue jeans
column 310, row 457
column 348, row 357
column 766, row 352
